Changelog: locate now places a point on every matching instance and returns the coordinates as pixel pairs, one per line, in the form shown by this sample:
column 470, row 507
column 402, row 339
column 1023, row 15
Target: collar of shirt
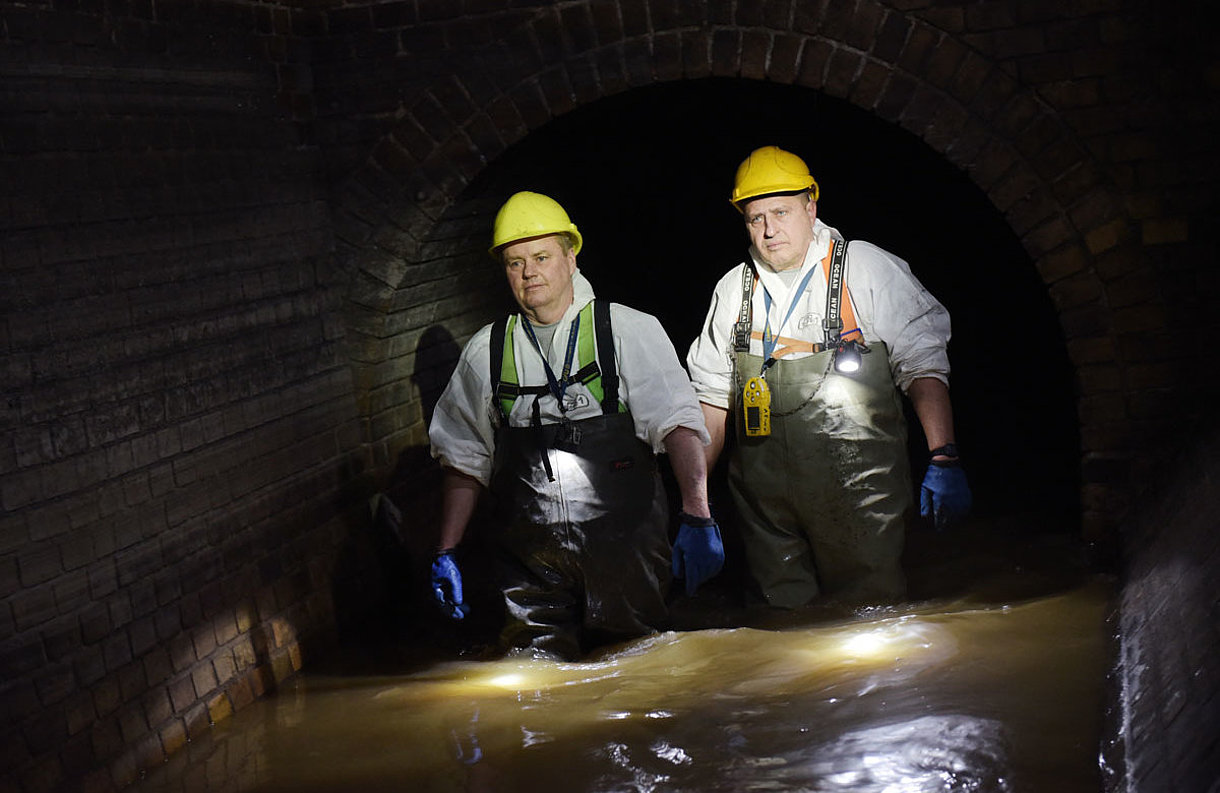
column 818, row 248
column 582, row 293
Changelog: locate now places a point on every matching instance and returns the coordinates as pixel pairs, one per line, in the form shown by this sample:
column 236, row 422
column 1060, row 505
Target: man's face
column 781, row 228
column 540, row 274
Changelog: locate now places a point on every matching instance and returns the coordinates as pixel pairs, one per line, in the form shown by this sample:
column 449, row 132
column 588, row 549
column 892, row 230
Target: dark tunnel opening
column 646, row 176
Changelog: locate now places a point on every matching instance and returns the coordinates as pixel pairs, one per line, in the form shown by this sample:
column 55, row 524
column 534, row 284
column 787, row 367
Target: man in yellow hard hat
column 804, row 351
column 559, row 410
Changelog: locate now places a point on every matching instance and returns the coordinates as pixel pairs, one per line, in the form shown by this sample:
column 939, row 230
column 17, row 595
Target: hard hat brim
column 495, row 250
column 740, row 203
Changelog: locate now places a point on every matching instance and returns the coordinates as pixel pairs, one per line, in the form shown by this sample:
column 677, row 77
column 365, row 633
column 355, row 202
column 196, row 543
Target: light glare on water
column 954, row 696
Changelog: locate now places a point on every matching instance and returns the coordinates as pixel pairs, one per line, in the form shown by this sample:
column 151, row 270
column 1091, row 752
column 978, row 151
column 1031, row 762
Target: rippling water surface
column 995, row 684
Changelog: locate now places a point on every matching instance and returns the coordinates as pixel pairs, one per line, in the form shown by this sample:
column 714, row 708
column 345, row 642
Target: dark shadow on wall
column 392, row 618
column 436, row 356
column 415, row 487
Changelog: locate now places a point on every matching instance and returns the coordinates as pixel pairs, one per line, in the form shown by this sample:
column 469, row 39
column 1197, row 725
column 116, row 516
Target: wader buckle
column 567, row 437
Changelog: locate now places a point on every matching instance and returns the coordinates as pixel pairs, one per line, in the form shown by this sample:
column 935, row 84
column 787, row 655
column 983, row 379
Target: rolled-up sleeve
column 709, row 358
column 461, row 433
column 914, row 325
column 655, row 387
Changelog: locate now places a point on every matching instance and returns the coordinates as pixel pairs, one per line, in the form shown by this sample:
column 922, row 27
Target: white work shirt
column 889, row 303
column 652, row 384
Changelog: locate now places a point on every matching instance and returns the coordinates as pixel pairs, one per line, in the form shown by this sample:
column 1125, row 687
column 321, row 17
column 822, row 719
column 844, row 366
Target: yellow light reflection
column 512, row 682
column 687, row 661
column 891, row 641
column 864, row 645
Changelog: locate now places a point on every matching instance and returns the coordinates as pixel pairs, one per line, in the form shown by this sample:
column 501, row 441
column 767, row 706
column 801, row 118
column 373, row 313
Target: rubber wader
column 585, row 556
column 824, row 499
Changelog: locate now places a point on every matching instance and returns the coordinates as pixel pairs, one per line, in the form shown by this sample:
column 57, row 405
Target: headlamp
column 847, row 357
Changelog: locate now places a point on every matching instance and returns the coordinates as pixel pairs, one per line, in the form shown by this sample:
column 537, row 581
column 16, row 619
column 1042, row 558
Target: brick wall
column 181, row 452
column 1166, row 714
column 242, row 242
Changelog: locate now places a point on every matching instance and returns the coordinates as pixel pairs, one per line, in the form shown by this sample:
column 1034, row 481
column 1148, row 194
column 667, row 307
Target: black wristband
column 948, row 450
column 442, row 552
column 699, row 523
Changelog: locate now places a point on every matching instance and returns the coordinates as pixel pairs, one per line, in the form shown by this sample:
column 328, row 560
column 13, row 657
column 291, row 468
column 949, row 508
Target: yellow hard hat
column 527, row 215
column 771, row 170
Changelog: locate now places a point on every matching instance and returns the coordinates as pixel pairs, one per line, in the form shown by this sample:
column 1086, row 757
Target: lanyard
column 556, row 387
column 768, row 339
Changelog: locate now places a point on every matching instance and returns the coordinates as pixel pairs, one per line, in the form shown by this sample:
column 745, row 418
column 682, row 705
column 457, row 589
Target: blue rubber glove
column 447, row 586
column 944, row 495
column 698, row 551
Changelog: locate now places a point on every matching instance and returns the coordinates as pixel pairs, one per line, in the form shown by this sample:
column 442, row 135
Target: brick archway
column 900, row 68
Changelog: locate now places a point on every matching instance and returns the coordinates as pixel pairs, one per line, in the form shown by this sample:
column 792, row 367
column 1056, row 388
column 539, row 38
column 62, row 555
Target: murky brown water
column 995, row 684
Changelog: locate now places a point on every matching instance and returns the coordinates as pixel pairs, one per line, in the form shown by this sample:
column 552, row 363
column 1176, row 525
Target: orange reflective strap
column 788, row 345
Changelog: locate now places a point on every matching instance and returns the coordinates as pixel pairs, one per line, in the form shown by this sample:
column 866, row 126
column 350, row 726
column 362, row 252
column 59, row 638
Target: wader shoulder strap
column 745, row 316
column 505, row 388
column 605, row 356
column 496, row 351
column 602, row 380
column 838, row 301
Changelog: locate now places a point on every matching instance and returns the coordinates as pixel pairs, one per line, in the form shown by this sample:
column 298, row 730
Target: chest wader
column 581, row 515
column 824, row 498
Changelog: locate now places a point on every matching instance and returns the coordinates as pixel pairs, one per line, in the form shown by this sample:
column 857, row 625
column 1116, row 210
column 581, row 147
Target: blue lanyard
column 768, row 340
column 557, row 387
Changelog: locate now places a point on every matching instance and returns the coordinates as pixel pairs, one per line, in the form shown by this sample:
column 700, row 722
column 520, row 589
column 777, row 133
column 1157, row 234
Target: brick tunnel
column 244, row 241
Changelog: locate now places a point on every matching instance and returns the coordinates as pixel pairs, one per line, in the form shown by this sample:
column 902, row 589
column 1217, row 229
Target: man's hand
column 447, row 585
column 698, row 552
column 944, row 495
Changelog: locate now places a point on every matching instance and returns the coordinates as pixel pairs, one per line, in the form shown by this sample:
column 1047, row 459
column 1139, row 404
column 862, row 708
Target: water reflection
column 942, row 696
